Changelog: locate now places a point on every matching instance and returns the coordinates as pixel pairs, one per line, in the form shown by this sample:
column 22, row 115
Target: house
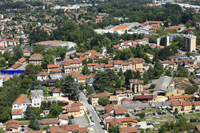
column 1, row 81
column 180, row 56
column 89, row 81
column 68, row 129
column 113, row 99
column 143, row 97
column 56, row 74
column 37, row 97
column 126, row 101
column 196, row 105
column 41, row 76
column 72, row 65
column 124, row 94
column 16, row 65
column 198, row 128
column 19, row 106
column 93, row 98
column 36, row 59
column 75, row 111
column 50, row 121
column 176, row 105
column 136, row 85
column 71, row 52
column 63, row 118
column 123, row 122
column 17, row 114
column 12, row 126
column 51, row 67
column 186, row 106
column 177, row 97
column 22, row 60
column 117, row 112
column 128, row 130
column 55, row 92
column 26, row 52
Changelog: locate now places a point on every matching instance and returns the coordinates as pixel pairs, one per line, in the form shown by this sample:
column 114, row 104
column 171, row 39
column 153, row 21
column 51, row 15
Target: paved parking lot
column 81, row 121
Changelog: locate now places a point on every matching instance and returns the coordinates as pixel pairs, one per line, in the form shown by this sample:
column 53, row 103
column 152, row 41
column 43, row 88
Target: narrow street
column 92, row 113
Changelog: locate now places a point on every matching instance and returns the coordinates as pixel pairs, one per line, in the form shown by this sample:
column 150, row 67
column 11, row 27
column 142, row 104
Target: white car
column 90, row 124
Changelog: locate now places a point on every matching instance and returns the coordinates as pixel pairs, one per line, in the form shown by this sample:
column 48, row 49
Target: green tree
column 86, row 71
column 17, row 52
column 34, row 124
column 181, row 71
column 113, row 129
column 6, row 55
column 55, row 110
column 68, row 86
column 106, row 81
column 38, row 49
column 48, row 59
column 60, row 52
column 191, row 89
column 29, row 113
column 2, row 62
column 5, row 113
column 103, row 101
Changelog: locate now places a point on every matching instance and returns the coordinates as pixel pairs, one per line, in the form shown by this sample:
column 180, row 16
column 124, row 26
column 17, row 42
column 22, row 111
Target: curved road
column 93, row 114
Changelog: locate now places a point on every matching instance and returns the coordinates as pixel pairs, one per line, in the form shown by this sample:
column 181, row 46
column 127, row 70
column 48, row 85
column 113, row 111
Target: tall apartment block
column 189, row 43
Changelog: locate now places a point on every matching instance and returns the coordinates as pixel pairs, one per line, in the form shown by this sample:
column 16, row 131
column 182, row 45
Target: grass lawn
column 161, row 119
column 24, row 122
column 149, row 110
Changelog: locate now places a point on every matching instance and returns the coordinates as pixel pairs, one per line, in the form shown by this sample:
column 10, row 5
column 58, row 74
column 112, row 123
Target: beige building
column 136, row 85
column 72, row 65
column 189, row 43
column 196, row 105
column 36, row 59
column 93, row 98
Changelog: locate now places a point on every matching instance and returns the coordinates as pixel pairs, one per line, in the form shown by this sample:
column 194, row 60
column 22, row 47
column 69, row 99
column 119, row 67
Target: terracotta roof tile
column 22, row 60
column 20, row 99
column 52, row 66
column 16, row 111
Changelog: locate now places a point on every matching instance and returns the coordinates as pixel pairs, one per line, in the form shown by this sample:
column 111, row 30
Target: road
column 92, row 113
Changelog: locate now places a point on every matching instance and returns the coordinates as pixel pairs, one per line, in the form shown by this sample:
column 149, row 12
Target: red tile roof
column 176, row 104
column 107, row 114
column 12, row 124
column 36, row 55
column 76, row 104
column 52, row 66
column 67, row 128
column 34, row 132
column 128, row 130
column 56, row 70
column 16, row 65
column 20, row 99
column 22, row 60
column 120, row 120
column 16, row 111
column 186, row 103
column 138, row 97
column 99, row 95
column 73, row 109
column 196, row 103
column 121, row 27
column 180, row 96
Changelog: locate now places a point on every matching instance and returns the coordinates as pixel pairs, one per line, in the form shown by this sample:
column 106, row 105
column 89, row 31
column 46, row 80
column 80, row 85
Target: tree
column 5, row 113
column 68, row 86
column 55, row 110
column 181, row 71
column 2, row 62
column 106, row 81
column 60, row 52
column 29, row 113
column 48, row 59
column 38, row 49
column 17, row 52
column 34, row 124
column 6, row 55
column 85, row 70
column 191, row 89
column 103, row 101
column 113, row 129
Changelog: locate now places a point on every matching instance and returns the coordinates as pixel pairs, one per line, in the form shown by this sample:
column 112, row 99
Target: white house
column 42, row 76
column 19, row 106
column 55, row 92
column 36, row 97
